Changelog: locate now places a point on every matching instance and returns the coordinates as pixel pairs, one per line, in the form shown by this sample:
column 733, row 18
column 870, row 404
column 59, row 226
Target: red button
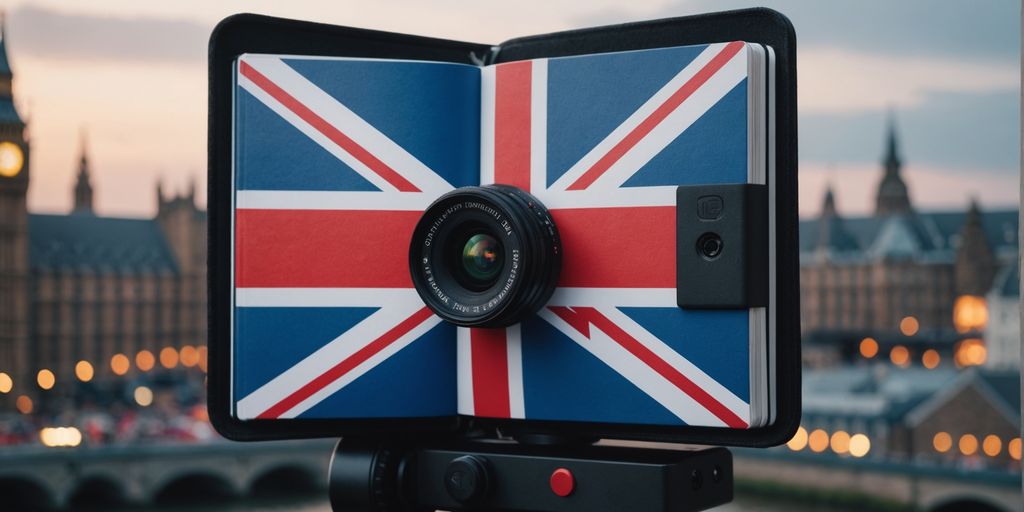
column 562, row 482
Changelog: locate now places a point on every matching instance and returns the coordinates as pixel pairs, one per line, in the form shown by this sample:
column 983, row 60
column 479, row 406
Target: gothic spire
column 892, row 197
column 83, row 185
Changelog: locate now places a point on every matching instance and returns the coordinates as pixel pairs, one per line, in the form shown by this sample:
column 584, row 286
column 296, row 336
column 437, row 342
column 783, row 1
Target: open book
column 335, row 159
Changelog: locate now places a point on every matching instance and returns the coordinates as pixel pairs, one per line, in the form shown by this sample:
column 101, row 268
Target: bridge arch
column 195, row 487
column 966, row 504
column 286, row 478
column 26, row 493
column 97, row 492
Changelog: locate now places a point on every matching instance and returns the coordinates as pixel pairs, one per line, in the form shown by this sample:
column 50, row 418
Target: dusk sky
column 133, row 74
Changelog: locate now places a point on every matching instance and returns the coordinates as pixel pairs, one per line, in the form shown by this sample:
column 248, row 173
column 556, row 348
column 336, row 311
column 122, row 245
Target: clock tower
column 14, row 268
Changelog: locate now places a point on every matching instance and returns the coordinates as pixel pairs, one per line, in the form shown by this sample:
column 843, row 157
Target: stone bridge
column 36, row 478
column 925, row 488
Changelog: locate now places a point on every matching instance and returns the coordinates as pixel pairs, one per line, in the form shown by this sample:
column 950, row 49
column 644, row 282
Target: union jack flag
column 335, row 159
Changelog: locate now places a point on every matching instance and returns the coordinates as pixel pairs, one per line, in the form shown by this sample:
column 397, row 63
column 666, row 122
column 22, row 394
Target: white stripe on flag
column 514, row 351
column 346, row 121
column 464, row 368
column 331, row 200
column 539, row 125
column 488, row 83
column 322, row 297
column 614, row 297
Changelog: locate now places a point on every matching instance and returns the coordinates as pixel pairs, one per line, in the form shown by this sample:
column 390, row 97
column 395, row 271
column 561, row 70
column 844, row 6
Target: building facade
column 895, row 276
column 84, row 287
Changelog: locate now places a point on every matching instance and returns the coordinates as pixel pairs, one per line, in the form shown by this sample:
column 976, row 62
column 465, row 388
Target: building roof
column 869, row 391
column 5, row 64
column 1007, row 283
column 86, row 242
column 925, row 235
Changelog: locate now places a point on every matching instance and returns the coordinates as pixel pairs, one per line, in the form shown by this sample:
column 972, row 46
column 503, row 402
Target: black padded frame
column 248, row 33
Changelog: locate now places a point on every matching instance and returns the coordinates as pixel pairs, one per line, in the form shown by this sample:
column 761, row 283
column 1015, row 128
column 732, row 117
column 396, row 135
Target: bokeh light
column 45, row 379
column 119, row 364
column 970, row 313
column 840, row 442
column 1013, row 448
column 189, row 356
column 84, row 371
column 143, row 396
column 6, row 383
column 23, row 404
column 818, row 441
column 909, row 326
column 900, row 356
column 971, row 352
column 860, row 445
column 168, row 357
column 992, row 445
column 868, row 348
column 799, row 440
column 942, row 442
column 968, row 444
column 930, row 359
column 145, row 360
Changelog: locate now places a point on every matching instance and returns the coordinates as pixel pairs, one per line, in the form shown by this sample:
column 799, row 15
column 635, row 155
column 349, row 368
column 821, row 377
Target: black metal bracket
column 722, row 246
column 491, row 474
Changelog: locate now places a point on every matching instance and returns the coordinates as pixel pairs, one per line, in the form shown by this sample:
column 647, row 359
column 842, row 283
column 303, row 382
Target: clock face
column 11, row 159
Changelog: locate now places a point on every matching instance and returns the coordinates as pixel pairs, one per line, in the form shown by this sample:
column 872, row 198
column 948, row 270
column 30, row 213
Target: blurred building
column 84, row 287
column 1002, row 336
column 897, row 274
column 968, row 418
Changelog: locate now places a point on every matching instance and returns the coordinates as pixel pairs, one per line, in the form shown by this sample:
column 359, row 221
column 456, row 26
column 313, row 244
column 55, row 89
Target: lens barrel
column 485, row 256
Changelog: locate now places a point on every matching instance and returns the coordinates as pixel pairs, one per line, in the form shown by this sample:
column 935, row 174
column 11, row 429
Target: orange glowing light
column 168, row 357
column 45, row 379
column 189, row 356
column 971, row 352
column 860, row 445
column 119, row 364
column 942, row 442
column 868, row 348
column 840, row 442
column 24, row 404
column 818, row 441
column 968, row 444
column 1013, row 447
column 145, row 360
column 799, row 440
column 909, row 326
column 202, row 358
column 970, row 313
column 900, row 356
column 6, row 383
column 992, row 445
column 84, row 371
column 930, row 359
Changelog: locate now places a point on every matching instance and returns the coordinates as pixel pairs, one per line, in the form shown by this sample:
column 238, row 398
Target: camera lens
column 710, row 245
column 481, row 258
column 485, row 256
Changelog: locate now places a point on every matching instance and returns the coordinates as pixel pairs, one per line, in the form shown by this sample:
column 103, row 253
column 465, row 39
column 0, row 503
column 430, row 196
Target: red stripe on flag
column 323, row 248
column 489, row 351
column 339, row 370
column 580, row 317
column 641, row 130
column 618, row 247
column 512, row 124
column 321, row 125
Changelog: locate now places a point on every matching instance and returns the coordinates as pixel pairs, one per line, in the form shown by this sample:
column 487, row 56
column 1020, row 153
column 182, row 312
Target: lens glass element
column 481, row 257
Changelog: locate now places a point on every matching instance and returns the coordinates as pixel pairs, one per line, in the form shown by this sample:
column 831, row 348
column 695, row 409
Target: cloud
column 967, row 130
column 979, row 31
column 844, row 80
column 44, row 33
